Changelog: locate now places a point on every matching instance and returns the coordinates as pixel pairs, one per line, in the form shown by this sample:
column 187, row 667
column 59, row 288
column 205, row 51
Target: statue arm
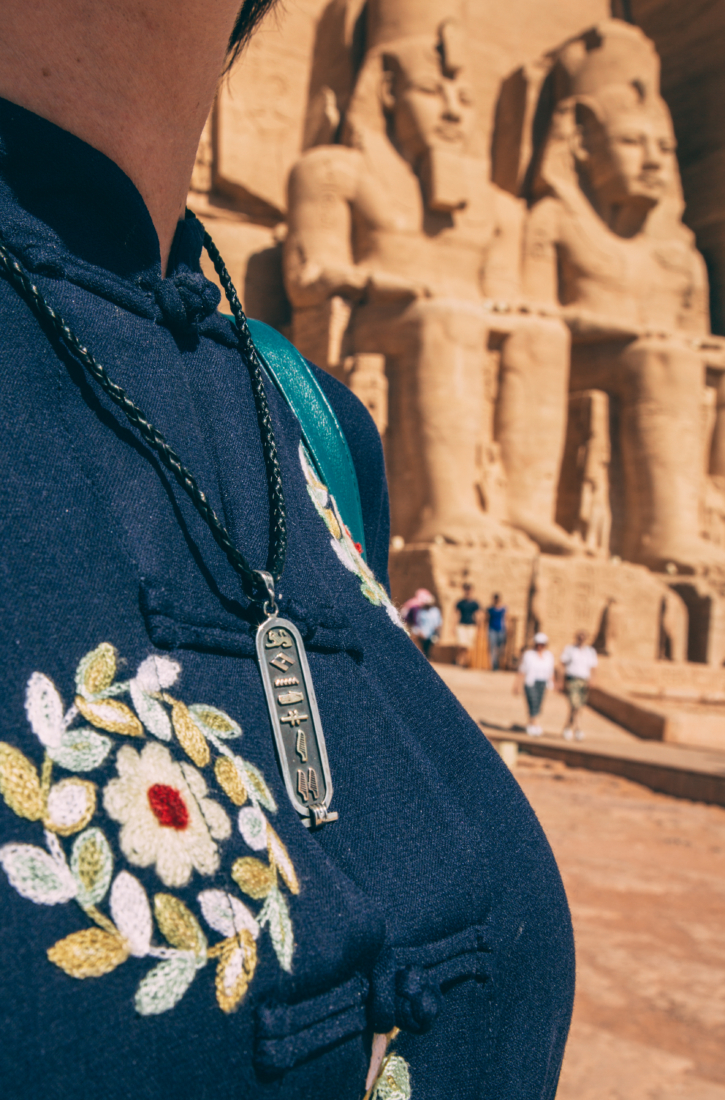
column 539, row 254
column 318, row 260
column 502, row 275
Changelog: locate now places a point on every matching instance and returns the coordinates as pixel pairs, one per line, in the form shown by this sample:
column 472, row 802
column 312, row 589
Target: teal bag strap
column 323, row 437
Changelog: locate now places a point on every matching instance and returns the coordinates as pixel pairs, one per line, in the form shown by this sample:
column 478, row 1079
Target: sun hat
column 540, row 638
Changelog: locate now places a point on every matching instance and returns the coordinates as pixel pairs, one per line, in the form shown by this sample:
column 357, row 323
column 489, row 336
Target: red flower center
column 168, row 806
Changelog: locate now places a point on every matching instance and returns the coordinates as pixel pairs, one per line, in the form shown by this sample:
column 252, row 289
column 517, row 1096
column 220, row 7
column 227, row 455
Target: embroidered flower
column 166, row 817
column 347, row 550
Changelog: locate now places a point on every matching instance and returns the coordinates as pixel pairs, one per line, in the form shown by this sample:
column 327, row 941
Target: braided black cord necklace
column 298, row 733
column 255, row 584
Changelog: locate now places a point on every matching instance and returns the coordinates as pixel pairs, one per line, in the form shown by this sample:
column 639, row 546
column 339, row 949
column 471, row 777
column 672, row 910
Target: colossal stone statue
column 399, row 246
column 605, row 241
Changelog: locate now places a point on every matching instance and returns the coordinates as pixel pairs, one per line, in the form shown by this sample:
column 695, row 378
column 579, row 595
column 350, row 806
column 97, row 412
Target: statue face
column 428, row 107
column 629, row 153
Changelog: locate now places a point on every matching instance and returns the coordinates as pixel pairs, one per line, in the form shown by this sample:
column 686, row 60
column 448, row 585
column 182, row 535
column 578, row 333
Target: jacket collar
column 69, row 212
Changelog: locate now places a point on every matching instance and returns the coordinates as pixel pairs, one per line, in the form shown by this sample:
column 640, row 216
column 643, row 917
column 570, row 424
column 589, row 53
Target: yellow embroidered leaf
column 332, row 524
column 279, row 855
column 179, row 925
column 89, row 954
column 71, row 805
column 190, row 737
column 19, row 783
column 235, row 970
column 109, row 714
column 216, row 721
column 229, row 781
column 253, row 877
column 97, row 670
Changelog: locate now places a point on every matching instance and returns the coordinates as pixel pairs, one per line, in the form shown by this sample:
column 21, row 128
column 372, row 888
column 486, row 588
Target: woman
column 536, row 673
column 198, row 896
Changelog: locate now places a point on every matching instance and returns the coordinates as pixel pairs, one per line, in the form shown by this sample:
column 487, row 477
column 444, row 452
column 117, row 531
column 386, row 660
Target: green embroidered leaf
column 44, row 708
column 215, row 721
column 165, row 985
column 19, row 783
column 393, row 1081
column 256, row 785
column 151, row 713
column 179, row 925
column 89, row 954
column 36, row 875
column 275, row 913
column 91, row 863
column 81, row 750
column 96, row 671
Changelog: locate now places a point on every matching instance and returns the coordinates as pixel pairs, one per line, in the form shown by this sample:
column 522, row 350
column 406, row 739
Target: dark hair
column 250, row 15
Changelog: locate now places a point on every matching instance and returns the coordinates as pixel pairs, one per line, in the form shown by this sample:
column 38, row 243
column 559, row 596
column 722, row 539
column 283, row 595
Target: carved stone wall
column 518, row 462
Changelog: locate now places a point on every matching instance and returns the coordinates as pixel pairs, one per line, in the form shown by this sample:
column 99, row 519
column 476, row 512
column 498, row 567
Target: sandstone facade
column 529, row 329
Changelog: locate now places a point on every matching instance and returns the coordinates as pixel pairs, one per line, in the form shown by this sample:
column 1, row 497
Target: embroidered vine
column 342, row 542
column 167, row 820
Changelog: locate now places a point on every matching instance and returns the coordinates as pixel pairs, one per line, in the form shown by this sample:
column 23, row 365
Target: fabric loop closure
column 185, row 300
column 407, row 982
column 289, row 1034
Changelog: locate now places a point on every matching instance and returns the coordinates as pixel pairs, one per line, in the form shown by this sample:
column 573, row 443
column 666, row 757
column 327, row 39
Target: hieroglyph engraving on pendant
column 295, row 720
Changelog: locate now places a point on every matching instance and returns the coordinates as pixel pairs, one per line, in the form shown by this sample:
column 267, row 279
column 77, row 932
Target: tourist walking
column 468, row 610
column 424, row 618
column 496, row 630
column 578, row 662
column 536, row 673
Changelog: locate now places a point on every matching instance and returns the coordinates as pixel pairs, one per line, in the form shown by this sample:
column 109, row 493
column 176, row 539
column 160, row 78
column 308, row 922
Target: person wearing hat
column 536, row 673
column 248, row 838
column 423, row 617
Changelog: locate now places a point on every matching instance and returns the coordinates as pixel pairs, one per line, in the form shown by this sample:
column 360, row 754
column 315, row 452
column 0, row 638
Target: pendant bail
column 269, row 606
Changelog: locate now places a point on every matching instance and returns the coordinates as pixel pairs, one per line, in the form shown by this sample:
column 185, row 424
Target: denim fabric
column 435, row 838
column 535, row 696
column 496, row 643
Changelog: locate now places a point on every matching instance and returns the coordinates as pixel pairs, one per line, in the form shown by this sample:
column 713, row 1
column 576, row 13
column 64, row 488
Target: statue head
column 624, row 146
column 412, row 87
column 425, row 95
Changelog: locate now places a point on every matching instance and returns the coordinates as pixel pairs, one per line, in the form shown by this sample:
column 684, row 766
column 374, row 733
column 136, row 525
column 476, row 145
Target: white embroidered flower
column 167, row 818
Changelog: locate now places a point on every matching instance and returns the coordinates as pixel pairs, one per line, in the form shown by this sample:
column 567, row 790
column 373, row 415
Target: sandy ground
column 645, row 876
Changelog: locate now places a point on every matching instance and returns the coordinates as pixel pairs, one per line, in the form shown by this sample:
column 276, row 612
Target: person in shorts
column 467, row 627
column 536, row 673
column 578, row 662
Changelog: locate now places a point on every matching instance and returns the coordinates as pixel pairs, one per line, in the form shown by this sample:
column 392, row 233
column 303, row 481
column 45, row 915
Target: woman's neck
column 133, row 78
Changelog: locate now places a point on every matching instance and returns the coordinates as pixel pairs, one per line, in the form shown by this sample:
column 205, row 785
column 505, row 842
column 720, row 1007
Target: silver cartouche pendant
column 295, row 720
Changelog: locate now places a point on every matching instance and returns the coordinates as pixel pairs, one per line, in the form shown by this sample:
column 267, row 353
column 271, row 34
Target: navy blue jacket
column 167, row 925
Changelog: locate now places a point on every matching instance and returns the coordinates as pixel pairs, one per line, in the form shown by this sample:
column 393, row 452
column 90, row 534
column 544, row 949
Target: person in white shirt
column 536, row 673
column 578, row 662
